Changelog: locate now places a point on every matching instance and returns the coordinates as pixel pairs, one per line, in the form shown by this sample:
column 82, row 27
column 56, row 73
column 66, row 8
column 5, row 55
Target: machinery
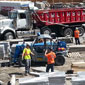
column 59, row 21
column 38, row 48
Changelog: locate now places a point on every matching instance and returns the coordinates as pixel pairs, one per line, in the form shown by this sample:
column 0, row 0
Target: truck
column 59, row 21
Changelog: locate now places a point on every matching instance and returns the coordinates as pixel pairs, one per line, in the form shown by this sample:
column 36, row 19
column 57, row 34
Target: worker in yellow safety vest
column 26, row 56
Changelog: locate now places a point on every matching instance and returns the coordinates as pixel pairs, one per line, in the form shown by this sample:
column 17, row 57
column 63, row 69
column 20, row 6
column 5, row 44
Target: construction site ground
column 73, row 56
column 6, row 72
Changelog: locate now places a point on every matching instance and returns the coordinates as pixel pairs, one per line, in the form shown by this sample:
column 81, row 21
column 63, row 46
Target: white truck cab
column 20, row 17
column 18, row 20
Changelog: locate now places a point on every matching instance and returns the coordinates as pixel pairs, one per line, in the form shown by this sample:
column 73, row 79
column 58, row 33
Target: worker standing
column 50, row 59
column 76, row 35
column 26, row 55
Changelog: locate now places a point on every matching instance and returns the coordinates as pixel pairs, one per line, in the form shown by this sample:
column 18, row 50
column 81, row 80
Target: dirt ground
column 6, row 72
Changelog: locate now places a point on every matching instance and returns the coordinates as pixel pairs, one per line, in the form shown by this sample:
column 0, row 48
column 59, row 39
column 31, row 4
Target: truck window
column 12, row 15
column 22, row 16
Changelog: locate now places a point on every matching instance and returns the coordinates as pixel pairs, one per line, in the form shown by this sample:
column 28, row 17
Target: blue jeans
column 50, row 66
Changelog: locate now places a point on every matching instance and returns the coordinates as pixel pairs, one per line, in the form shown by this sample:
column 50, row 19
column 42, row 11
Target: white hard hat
column 76, row 28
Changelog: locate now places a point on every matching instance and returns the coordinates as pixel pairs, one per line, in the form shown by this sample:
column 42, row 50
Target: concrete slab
column 34, row 81
column 69, row 76
column 55, row 78
column 76, row 48
column 37, row 74
column 41, row 74
column 81, row 74
column 78, row 81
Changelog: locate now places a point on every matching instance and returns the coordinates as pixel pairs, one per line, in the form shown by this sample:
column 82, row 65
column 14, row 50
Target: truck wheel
column 68, row 32
column 8, row 35
column 60, row 60
column 45, row 30
column 81, row 29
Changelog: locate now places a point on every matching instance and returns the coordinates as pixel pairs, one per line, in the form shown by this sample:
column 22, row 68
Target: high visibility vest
column 51, row 57
column 76, row 33
column 26, row 53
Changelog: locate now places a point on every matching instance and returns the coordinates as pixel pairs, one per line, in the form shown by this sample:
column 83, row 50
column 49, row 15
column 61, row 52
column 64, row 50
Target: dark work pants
column 50, row 66
column 77, row 41
column 27, row 65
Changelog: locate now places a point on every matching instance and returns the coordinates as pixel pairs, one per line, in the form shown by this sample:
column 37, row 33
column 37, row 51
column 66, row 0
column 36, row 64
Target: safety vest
column 76, row 33
column 50, row 57
column 26, row 53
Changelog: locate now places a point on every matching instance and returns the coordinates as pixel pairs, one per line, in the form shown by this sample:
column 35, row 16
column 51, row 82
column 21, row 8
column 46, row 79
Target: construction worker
column 40, row 40
column 50, row 59
column 76, row 35
column 26, row 55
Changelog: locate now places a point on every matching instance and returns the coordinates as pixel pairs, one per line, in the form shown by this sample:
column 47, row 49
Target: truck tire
column 60, row 60
column 81, row 30
column 45, row 30
column 8, row 35
column 68, row 32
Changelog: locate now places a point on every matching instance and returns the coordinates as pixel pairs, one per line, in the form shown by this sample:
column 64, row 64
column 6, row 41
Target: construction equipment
column 38, row 48
column 59, row 21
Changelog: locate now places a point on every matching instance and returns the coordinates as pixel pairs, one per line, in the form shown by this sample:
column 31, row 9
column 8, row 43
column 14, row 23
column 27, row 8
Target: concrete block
column 6, row 46
column 76, row 48
column 78, row 81
column 2, row 52
column 12, row 81
column 55, row 78
column 81, row 74
column 34, row 81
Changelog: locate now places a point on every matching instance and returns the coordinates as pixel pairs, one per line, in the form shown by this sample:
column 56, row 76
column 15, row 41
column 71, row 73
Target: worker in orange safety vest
column 76, row 35
column 50, row 59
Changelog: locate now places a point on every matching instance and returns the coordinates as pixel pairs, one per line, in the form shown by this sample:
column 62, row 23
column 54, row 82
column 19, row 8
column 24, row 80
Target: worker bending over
column 50, row 59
